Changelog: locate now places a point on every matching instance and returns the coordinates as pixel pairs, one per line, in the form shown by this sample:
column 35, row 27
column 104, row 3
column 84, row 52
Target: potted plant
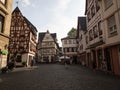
column 4, row 69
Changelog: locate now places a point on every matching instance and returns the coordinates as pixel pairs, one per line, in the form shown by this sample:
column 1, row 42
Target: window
column 108, row 3
column 112, row 25
column 67, row 49
column 63, row 49
column 1, row 23
column 81, row 47
column 65, row 41
column 12, row 23
column 18, row 59
column 70, row 42
column 97, row 5
column 3, row 1
column 89, row 16
column 90, row 35
column 22, row 33
column 74, row 41
column 92, row 11
column 86, row 39
column 95, row 31
column 75, row 49
column 70, row 49
column 99, row 28
column 47, row 37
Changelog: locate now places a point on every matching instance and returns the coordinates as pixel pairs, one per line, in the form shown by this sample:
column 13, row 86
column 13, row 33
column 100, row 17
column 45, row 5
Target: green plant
column 24, row 63
column 4, row 52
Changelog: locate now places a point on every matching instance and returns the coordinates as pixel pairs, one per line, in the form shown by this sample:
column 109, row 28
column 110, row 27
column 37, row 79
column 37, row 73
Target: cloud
column 63, row 4
column 60, row 23
column 26, row 3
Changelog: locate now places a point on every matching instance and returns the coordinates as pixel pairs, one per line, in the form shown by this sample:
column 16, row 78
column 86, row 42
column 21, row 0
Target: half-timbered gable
column 19, row 33
column 23, row 37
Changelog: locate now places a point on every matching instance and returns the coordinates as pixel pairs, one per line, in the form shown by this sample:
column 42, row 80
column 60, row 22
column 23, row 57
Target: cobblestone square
column 57, row 77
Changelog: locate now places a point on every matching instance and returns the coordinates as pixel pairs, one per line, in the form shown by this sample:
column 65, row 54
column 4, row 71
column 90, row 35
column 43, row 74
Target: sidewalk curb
column 21, row 69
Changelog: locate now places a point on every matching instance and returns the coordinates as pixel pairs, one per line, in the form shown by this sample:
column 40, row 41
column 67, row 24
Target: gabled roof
column 16, row 10
column 30, row 25
column 82, row 23
column 42, row 34
column 53, row 35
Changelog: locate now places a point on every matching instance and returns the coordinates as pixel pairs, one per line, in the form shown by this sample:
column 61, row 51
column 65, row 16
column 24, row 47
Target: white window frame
column 112, row 24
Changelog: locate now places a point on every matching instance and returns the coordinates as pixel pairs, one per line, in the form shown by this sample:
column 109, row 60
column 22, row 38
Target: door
column 94, row 59
column 108, row 59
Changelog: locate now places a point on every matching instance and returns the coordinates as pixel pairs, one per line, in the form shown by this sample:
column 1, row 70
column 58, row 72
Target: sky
column 57, row 16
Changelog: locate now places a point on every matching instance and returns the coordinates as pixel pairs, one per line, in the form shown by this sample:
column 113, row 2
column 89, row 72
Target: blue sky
column 57, row 16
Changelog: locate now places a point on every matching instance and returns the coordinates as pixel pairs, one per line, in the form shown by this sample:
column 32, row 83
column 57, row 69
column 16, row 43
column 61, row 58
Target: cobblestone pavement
column 58, row 77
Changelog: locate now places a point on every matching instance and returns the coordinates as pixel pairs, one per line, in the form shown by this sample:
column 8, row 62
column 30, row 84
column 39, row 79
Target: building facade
column 69, row 48
column 81, row 40
column 5, row 20
column 47, row 48
column 94, row 35
column 103, row 24
column 111, row 26
column 22, row 44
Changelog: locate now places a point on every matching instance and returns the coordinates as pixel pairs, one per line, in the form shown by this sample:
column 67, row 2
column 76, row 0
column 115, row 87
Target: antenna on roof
column 17, row 2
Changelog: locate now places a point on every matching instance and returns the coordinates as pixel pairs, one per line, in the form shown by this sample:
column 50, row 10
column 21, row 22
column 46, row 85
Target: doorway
column 108, row 59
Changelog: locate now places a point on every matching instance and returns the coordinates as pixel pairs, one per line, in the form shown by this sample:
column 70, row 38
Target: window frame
column 111, row 25
column 2, row 18
column 100, row 28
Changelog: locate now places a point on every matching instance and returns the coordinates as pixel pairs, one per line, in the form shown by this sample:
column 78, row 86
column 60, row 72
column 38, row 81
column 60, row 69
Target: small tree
column 72, row 32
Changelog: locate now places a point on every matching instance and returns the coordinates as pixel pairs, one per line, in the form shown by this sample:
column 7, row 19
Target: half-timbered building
column 22, row 44
column 69, row 48
column 48, row 48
